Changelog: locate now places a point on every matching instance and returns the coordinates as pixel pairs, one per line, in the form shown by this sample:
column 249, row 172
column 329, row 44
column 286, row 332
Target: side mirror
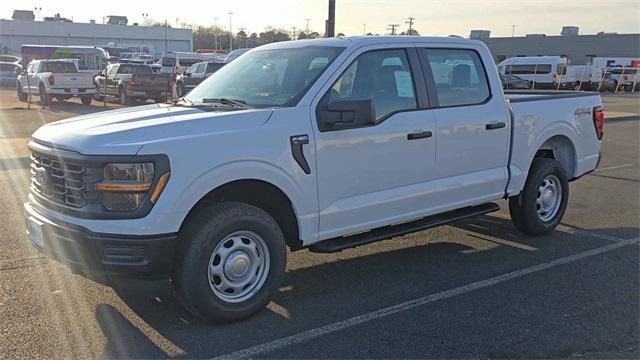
column 187, row 74
column 338, row 114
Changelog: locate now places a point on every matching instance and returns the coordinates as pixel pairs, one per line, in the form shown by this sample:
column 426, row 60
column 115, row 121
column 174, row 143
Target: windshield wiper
column 229, row 102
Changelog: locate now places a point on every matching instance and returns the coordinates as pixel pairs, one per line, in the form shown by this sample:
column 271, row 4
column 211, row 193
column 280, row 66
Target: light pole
column 364, row 30
column 307, row 29
column 145, row 17
column 230, row 33
column 37, row 11
column 215, row 34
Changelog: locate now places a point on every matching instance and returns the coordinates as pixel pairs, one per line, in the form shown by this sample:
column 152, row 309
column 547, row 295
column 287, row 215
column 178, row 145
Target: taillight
column 94, row 80
column 133, row 83
column 52, row 80
column 598, row 121
column 554, row 78
column 625, row 78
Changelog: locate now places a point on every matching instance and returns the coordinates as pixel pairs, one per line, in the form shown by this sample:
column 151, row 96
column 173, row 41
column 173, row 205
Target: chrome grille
column 59, row 180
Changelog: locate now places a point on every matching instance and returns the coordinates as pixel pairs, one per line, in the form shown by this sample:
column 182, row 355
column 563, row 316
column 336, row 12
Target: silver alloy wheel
column 238, row 266
column 549, row 198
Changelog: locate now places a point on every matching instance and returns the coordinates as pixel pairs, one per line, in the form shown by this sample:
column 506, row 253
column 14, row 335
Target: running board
column 387, row 232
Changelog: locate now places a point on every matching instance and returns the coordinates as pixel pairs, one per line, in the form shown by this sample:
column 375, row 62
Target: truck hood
column 125, row 131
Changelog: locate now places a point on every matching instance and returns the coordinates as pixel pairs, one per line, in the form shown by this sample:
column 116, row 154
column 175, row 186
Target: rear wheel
column 124, row 99
column 22, row 96
column 542, row 203
column 230, row 260
column 44, row 97
column 86, row 100
column 60, row 99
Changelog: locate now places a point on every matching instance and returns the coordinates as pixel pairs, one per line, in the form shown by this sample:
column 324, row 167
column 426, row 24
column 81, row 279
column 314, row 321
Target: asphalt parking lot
column 473, row 289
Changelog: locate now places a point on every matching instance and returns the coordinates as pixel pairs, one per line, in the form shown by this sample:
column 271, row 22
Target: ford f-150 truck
column 130, row 82
column 55, row 78
column 316, row 144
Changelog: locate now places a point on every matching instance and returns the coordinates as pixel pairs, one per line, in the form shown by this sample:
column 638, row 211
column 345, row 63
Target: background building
column 15, row 33
column 578, row 49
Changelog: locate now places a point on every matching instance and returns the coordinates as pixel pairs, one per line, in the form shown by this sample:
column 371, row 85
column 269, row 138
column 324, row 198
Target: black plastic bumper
column 96, row 255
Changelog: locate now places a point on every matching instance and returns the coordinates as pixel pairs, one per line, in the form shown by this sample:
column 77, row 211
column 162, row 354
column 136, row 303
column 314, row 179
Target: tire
column 536, row 211
column 207, row 239
column 60, row 99
column 86, row 100
column 159, row 100
column 123, row 98
column 22, row 96
column 44, row 97
column 179, row 90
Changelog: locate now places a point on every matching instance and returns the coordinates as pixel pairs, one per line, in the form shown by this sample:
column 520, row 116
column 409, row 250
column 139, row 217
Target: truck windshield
column 267, row 78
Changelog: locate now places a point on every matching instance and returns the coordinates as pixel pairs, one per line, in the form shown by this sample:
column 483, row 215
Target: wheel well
column 260, row 194
column 559, row 148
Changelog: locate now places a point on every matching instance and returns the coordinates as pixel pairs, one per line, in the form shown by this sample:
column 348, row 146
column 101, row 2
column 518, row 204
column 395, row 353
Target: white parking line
column 340, row 325
column 612, row 168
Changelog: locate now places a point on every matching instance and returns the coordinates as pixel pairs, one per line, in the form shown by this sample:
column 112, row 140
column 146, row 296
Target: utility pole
column 307, row 28
column 166, row 40
column 393, row 28
column 294, row 32
column 513, row 31
column 364, row 29
column 246, row 38
column 230, row 33
column 410, row 21
column 331, row 22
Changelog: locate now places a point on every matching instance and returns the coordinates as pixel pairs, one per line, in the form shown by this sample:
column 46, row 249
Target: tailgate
column 73, row 80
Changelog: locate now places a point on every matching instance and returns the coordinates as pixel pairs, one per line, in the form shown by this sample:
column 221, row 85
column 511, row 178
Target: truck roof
column 367, row 40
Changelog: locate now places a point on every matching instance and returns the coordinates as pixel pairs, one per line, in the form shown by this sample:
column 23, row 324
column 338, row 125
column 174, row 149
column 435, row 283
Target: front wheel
column 230, row 260
column 542, row 203
column 180, row 90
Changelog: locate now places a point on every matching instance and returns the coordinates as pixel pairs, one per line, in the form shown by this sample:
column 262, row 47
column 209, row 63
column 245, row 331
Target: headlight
column 125, row 186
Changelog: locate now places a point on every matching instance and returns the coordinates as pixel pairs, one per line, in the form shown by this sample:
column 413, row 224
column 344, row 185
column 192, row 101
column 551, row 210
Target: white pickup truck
column 317, row 144
column 55, row 78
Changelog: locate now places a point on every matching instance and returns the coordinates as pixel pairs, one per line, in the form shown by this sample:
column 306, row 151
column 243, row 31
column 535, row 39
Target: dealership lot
column 473, row 289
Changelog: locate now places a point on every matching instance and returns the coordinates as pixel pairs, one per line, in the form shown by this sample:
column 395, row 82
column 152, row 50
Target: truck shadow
column 320, row 288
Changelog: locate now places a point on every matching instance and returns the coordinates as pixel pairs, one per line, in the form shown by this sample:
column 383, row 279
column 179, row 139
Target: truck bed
column 540, row 115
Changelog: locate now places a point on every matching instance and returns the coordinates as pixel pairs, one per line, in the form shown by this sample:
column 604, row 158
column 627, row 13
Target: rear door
column 473, row 126
column 376, row 174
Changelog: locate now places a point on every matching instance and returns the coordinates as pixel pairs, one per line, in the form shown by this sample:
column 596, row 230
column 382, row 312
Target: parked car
column 276, row 150
column 543, row 72
column 9, row 72
column 125, row 58
column 196, row 74
column 9, row 59
column 55, row 78
column 514, row 82
column 234, row 54
column 176, row 62
column 130, row 82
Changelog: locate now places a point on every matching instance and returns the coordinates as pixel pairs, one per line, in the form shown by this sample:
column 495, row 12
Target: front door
column 377, row 174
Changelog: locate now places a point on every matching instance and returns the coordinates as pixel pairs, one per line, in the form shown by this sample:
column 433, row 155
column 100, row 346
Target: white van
column 544, row 72
column 175, row 62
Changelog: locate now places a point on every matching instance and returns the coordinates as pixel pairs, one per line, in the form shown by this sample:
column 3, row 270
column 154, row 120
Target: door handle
column 419, row 135
column 494, row 126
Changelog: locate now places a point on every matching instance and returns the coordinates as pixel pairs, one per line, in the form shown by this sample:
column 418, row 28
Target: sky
column 432, row 17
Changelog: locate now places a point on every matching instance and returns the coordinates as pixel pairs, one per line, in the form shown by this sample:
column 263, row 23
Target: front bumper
column 96, row 255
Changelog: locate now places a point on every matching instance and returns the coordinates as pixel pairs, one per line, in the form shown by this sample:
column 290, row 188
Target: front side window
column 383, row 76
column 459, row 77
column 266, row 78
column 213, row 67
column 193, row 69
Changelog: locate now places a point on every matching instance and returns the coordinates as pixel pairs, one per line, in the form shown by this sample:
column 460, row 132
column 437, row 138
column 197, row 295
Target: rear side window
column 383, row 76
column 459, row 77
column 134, row 69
